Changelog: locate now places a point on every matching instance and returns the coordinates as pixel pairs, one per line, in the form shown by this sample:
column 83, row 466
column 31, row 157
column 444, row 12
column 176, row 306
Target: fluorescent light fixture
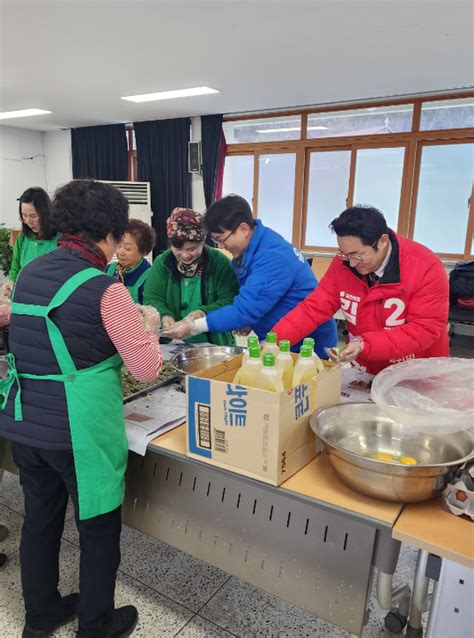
column 9, row 115
column 170, row 95
column 290, row 129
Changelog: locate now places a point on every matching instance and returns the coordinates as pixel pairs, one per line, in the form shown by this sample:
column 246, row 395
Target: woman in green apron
column 190, row 279
column 72, row 329
column 37, row 236
column 132, row 269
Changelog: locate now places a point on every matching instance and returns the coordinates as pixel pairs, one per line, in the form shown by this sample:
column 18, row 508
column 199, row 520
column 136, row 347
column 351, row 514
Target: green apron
column 191, row 299
column 33, row 248
column 133, row 290
column 95, row 409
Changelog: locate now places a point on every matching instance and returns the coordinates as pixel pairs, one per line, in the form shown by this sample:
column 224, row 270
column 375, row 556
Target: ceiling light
column 170, row 95
column 289, row 129
column 8, row 115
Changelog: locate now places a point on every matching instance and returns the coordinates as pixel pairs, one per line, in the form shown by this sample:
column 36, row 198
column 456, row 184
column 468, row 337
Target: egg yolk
column 408, row 460
column 382, row 456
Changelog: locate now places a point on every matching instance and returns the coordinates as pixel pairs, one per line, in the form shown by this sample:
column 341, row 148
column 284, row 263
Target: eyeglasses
column 354, row 256
column 221, row 242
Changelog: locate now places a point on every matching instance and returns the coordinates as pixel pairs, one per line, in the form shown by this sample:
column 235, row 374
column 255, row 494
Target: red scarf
column 84, row 248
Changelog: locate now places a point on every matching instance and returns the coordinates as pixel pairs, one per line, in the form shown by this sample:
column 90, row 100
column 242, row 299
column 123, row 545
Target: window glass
column 268, row 129
column 276, row 192
column 378, row 180
column 238, row 176
column 327, row 193
column 377, row 120
column 447, row 114
column 445, row 185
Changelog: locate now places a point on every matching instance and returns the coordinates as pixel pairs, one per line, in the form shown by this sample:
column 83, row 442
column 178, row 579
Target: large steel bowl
column 194, row 359
column 351, row 431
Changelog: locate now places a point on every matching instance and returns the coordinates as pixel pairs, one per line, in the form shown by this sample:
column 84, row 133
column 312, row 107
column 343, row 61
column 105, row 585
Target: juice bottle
column 249, row 373
column 271, row 346
column 251, row 342
column 305, row 367
column 284, row 363
column 309, row 341
column 269, row 377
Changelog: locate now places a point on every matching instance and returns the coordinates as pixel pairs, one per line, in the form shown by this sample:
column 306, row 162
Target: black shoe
column 124, row 622
column 66, row 614
column 3, row 560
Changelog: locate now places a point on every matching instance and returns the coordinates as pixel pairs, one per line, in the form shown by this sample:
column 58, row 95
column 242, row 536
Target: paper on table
column 351, row 376
column 153, row 414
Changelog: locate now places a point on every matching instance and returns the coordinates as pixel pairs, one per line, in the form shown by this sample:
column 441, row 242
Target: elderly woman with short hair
column 190, row 279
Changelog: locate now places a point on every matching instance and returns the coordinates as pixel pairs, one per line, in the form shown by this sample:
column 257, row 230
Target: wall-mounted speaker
column 194, row 157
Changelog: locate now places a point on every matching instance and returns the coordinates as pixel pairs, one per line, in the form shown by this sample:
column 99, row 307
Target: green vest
column 33, row 248
column 133, row 290
column 95, row 409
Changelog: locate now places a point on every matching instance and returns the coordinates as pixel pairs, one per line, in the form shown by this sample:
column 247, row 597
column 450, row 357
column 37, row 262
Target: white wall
column 23, row 164
column 198, row 201
column 58, row 158
column 31, row 158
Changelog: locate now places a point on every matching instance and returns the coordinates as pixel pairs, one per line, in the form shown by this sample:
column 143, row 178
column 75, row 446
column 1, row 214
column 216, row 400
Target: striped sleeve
column 139, row 348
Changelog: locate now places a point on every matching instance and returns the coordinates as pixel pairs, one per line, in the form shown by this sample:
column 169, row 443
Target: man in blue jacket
column 273, row 276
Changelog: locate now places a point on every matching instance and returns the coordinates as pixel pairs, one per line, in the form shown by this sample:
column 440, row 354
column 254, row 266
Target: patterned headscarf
column 185, row 224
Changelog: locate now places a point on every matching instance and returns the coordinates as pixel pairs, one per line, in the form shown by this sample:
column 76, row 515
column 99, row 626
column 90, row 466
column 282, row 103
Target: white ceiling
column 77, row 57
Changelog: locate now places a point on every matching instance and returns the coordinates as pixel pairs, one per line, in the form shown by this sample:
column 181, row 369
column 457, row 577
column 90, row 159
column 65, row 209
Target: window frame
column 413, row 141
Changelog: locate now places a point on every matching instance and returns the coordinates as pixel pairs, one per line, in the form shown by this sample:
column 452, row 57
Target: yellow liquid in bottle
column 305, row 370
column 284, row 364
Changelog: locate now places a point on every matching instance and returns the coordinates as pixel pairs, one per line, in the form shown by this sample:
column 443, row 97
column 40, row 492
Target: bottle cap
column 268, row 360
column 254, row 352
column 271, row 337
column 306, row 351
column 284, row 345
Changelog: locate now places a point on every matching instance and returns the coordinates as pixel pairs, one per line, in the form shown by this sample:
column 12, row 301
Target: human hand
column 179, row 330
column 7, row 288
column 352, row 350
column 166, row 322
column 4, row 316
column 243, row 332
column 150, row 317
column 196, row 314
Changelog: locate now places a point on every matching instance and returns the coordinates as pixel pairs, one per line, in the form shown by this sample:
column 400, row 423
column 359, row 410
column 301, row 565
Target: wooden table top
column 316, row 480
column 319, row 481
column 430, row 527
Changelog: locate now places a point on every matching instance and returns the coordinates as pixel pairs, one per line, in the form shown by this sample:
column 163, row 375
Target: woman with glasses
column 37, row 236
column 392, row 291
column 190, row 280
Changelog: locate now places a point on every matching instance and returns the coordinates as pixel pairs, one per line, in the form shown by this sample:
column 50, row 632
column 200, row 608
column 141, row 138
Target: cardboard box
column 263, row 435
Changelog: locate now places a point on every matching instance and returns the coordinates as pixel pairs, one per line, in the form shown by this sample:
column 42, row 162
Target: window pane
column 266, row 129
column 447, row 114
column 238, row 176
column 327, row 192
column 371, row 121
column 444, row 189
column 378, row 180
column 276, row 192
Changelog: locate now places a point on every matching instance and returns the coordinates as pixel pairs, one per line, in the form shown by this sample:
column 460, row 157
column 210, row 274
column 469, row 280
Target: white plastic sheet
column 428, row 394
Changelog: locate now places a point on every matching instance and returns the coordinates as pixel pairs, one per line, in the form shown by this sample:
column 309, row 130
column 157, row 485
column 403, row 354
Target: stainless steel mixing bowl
column 351, row 431
column 194, row 359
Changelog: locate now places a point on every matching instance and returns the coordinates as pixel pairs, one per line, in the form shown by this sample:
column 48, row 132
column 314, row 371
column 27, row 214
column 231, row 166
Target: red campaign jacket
column 403, row 316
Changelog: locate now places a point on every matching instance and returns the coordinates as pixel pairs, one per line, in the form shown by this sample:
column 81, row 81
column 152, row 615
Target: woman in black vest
column 72, row 328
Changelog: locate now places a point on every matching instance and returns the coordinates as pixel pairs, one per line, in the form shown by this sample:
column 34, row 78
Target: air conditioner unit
column 138, row 197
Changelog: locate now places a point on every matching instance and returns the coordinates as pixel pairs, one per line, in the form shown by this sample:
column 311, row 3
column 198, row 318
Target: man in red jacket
column 392, row 291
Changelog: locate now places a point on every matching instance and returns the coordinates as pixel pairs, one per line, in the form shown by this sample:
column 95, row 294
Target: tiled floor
column 176, row 594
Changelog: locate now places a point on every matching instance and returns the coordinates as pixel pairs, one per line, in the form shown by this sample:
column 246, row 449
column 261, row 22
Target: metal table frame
column 311, row 553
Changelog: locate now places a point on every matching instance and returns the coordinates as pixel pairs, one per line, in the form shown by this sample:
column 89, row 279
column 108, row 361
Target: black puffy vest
column 45, row 417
